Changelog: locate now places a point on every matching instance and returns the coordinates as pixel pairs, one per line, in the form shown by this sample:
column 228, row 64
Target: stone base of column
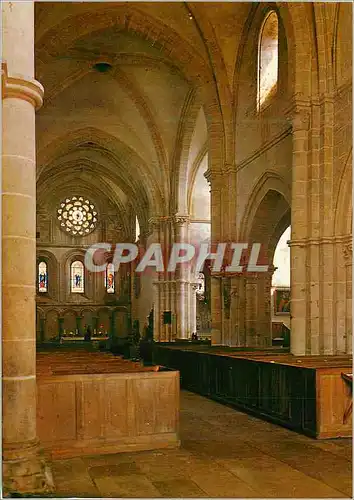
column 25, row 472
column 215, row 337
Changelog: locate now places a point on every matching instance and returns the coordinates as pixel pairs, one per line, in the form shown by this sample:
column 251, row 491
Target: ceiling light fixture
column 102, row 67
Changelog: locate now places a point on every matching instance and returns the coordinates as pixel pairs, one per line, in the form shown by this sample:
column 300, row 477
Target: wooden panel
column 154, row 401
column 116, row 412
column 84, row 414
column 333, row 399
column 284, row 393
column 56, row 415
column 90, row 408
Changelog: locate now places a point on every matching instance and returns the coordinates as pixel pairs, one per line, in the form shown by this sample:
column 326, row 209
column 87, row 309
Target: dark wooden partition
column 275, row 387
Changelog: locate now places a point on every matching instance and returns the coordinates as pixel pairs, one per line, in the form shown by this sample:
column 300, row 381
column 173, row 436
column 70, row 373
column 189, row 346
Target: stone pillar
column 61, row 327
column 164, row 287
column 229, row 213
column 215, row 181
column 23, row 468
column 348, row 309
column 314, row 323
column 193, row 307
column 299, row 263
column 182, row 278
column 237, row 311
column 258, row 317
column 94, row 324
column 79, row 324
column 226, row 307
column 113, row 325
column 42, row 329
column 216, row 306
column 251, row 303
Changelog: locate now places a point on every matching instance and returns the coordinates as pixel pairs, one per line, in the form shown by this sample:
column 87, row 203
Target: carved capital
column 214, row 178
column 156, row 223
column 21, row 88
column 299, row 115
column 181, row 219
column 348, row 251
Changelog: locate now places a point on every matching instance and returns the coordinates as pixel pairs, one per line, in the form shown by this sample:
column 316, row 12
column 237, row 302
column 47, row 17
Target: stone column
column 42, row 329
column 215, row 181
column 226, row 306
column 182, row 277
column 94, row 324
column 193, row 307
column 161, row 229
column 216, row 306
column 79, row 324
column 237, row 311
column 316, row 324
column 61, row 326
column 251, row 302
column 300, row 299
column 348, row 309
column 258, row 316
column 23, row 468
column 112, row 326
column 229, row 212
column 157, row 235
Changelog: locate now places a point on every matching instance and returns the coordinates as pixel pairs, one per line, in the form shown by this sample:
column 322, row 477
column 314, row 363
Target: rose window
column 77, row 216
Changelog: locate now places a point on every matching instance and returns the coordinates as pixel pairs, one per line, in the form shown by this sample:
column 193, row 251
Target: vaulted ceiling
column 121, row 94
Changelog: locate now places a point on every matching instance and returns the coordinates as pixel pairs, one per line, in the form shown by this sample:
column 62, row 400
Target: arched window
column 77, row 277
column 109, row 278
column 42, row 277
column 137, row 229
column 268, row 59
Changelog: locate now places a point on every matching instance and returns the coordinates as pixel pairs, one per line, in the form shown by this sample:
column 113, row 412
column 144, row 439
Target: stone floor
column 224, row 453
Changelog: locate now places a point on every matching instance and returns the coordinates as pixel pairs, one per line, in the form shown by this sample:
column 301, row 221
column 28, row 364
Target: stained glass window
column 110, row 278
column 42, row 277
column 268, row 58
column 77, row 277
column 77, row 216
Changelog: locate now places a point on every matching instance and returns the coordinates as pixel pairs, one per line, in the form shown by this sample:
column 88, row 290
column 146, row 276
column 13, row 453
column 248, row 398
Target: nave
column 223, row 453
column 163, row 123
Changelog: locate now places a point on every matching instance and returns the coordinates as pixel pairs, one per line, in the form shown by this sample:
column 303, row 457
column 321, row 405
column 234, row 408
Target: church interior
column 163, row 123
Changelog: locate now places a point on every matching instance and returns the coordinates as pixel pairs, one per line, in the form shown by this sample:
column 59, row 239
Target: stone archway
column 267, row 219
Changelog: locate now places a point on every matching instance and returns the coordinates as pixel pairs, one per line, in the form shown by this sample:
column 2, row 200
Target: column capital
column 348, row 251
column 22, row 88
column 271, row 270
column 299, row 113
column 213, row 177
column 181, row 219
column 327, row 240
column 156, row 222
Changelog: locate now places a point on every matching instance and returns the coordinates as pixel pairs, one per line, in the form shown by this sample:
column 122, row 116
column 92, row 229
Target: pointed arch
column 268, row 58
column 269, row 181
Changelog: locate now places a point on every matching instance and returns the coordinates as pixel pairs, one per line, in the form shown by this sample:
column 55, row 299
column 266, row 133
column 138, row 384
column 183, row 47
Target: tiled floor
column 224, row 453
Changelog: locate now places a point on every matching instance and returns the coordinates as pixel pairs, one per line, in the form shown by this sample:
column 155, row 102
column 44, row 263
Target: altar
column 82, row 338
